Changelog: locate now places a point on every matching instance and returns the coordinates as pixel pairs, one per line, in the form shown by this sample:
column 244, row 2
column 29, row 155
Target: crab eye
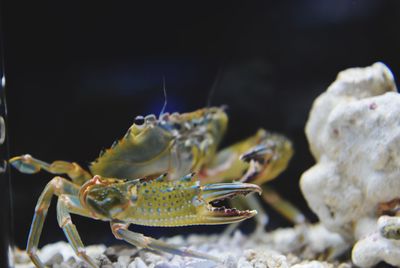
column 139, row 120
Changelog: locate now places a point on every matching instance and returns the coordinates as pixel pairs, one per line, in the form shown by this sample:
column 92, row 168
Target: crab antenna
column 165, row 98
column 214, row 86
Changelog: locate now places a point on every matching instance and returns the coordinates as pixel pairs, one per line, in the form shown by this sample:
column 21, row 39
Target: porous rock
column 354, row 134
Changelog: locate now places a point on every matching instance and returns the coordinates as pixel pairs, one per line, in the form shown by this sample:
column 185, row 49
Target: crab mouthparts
column 213, row 193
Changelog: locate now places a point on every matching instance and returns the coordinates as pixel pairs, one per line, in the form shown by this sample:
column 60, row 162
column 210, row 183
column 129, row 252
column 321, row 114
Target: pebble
column 238, row 251
column 137, row 263
column 124, row 260
column 104, row 260
column 55, row 259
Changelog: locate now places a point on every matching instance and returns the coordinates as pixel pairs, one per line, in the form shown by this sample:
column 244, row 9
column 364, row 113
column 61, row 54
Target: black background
column 78, row 73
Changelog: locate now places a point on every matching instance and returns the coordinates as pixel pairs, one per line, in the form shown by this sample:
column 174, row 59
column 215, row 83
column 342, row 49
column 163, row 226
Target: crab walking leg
column 70, row 231
column 27, row 164
column 120, row 231
column 284, row 207
column 56, row 186
column 261, row 218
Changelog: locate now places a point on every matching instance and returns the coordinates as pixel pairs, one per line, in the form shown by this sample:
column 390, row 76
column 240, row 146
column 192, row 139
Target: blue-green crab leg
column 120, row 231
column 29, row 165
column 56, row 186
column 60, row 187
column 284, row 207
column 64, row 205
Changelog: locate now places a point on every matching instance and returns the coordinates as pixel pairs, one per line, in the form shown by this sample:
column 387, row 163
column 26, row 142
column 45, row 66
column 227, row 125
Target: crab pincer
column 216, row 192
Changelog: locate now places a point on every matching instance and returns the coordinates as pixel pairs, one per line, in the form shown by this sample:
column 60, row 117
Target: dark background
column 78, row 74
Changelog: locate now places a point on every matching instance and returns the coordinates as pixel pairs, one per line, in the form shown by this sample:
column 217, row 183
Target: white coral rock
column 373, row 248
column 354, row 134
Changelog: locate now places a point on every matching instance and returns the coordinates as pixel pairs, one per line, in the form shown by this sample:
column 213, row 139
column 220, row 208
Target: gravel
column 281, row 248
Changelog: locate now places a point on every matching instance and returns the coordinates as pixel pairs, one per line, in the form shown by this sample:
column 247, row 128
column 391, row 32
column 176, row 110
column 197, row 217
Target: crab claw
column 182, row 202
column 216, row 192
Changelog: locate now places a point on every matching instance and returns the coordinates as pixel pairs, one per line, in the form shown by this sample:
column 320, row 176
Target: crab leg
column 64, row 220
column 57, row 186
column 27, row 164
column 284, row 207
column 120, row 231
column 261, row 218
column 270, row 152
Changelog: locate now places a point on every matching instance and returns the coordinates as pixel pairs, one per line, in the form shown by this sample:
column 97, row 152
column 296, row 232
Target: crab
column 148, row 178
